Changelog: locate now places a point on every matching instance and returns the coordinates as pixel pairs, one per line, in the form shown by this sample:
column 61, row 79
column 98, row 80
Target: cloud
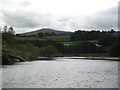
column 119, row 15
column 5, row 2
column 105, row 19
column 25, row 19
column 22, row 19
column 24, row 4
column 29, row 19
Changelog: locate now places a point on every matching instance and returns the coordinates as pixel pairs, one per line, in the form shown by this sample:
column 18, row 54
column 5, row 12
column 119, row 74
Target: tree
column 5, row 28
column 85, row 35
column 10, row 30
column 0, row 30
column 115, row 49
column 106, row 39
column 112, row 31
column 40, row 34
column 8, row 35
column 53, row 34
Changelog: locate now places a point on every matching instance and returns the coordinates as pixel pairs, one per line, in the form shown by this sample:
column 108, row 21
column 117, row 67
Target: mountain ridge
column 47, row 30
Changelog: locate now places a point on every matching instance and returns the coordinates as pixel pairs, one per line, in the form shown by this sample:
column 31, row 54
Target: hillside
column 48, row 30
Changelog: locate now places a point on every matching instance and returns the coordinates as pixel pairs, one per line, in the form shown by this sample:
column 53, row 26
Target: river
column 61, row 73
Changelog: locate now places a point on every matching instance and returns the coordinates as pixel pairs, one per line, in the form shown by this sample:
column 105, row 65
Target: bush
column 28, row 51
column 57, row 45
column 115, row 49
column 88, row 47
column 49, row 51
column 8, row 37
column 106, row 40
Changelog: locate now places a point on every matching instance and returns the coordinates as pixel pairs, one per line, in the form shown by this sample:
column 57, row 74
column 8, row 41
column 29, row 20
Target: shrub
column 88, row 47
column 49, row 51
column 115, row 49
column 28, row 51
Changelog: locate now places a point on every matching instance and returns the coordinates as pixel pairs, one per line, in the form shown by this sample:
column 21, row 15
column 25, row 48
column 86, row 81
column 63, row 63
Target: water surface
column 61, row 73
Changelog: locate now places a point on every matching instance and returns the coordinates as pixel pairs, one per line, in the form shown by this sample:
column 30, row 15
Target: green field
column 29, row 38
column 65, row 38
column 62, row 39
column 77, row 42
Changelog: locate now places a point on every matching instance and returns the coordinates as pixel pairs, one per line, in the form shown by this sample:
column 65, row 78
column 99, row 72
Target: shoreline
column 99, row 58
column 77, row 57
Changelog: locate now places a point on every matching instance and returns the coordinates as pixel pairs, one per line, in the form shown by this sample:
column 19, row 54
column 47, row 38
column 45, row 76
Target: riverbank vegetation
column 80, row 43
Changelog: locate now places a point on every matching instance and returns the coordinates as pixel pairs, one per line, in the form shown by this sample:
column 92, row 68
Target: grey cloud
column 65, row 19
column 62, row 23
column 111, row 11
column 26, row 19
column 24, row 4
column 5, row 2
column 104, row 20
column 119, row 15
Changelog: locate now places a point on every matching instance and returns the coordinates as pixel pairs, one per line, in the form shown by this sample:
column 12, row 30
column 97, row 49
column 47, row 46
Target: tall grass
column 28, row 51
column 65, row 38
column 49, row 51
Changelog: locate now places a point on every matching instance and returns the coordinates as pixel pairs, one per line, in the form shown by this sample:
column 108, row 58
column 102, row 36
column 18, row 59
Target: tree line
column 40, row 34
column 109, row 40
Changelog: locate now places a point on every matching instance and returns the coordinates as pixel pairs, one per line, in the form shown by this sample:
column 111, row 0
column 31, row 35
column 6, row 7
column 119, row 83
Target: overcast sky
column 68, row 15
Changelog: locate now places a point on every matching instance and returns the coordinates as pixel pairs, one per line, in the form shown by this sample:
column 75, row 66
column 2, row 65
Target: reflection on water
column 63, row 73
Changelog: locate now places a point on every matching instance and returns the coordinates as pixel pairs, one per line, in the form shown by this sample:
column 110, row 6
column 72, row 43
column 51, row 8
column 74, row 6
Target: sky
column 65, row 15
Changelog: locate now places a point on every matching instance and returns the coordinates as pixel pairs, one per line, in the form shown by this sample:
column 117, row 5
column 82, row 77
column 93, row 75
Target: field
column 29, row 38
column 64, row 38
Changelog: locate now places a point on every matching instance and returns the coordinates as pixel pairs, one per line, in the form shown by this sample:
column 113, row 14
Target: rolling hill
column 47, row 30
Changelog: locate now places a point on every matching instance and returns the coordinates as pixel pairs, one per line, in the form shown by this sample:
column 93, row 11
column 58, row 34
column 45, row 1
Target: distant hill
column 48, row 30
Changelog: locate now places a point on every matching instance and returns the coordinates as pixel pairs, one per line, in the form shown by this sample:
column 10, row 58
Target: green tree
column 88, row 47
column 49, row 51
column 106, row 39
column 5, row 28
column 40, row 34
column 115, row 49
column 8, row 35
column 10, row 30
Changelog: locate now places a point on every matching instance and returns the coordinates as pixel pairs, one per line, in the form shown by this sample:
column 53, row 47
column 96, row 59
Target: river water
column 61, row 73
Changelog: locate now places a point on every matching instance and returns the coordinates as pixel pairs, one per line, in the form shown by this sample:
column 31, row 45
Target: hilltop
column 47, row 30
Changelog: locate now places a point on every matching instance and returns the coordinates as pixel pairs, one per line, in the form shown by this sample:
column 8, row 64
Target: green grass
column 54, row 38
column 62, row 39
column 77, row 42
column 71, row 42
column 93, row 41
column 59, row 38
column 29, row 38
